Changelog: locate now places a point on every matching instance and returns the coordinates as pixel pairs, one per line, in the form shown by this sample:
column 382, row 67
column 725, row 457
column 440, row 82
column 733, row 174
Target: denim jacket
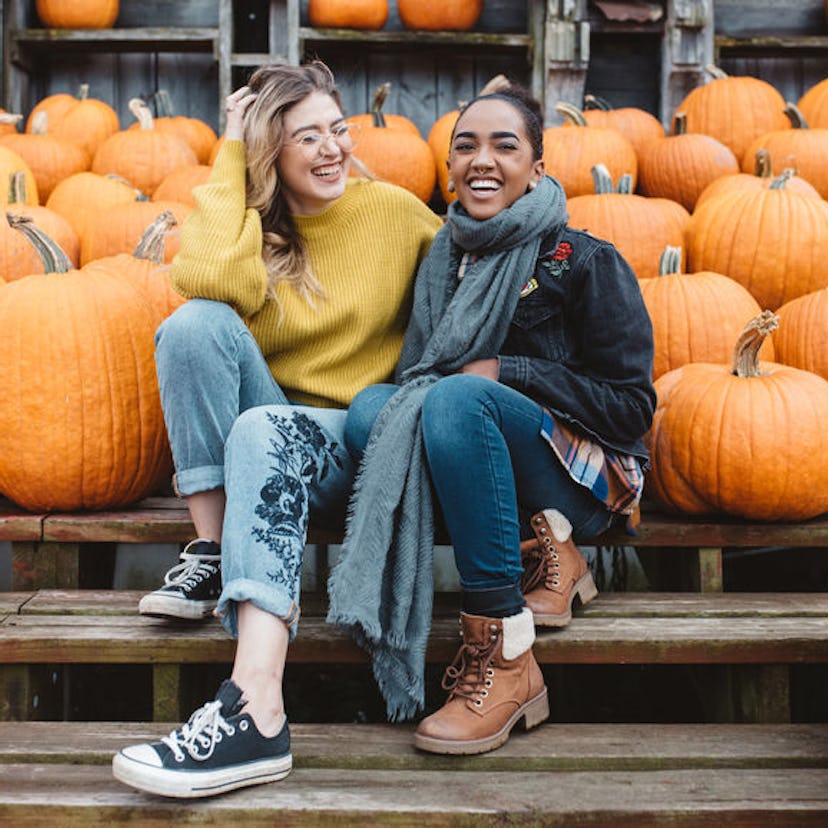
column 581, row 342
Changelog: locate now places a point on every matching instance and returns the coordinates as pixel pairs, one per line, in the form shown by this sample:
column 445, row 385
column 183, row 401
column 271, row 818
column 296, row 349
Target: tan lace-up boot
column 493, row 682
column 554, row 571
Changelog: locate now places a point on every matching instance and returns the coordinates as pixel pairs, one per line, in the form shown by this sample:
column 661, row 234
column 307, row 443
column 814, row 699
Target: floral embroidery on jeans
column 301, row 452
column 557, row 263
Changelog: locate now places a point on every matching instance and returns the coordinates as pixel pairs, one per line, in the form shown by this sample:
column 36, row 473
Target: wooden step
column 558, row 775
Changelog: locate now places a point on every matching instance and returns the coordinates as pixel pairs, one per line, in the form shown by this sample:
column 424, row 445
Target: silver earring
column 450, row 185
column 533, row 184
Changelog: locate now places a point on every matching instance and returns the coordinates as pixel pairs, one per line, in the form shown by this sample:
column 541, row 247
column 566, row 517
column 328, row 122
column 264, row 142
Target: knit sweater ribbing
column 364, row 249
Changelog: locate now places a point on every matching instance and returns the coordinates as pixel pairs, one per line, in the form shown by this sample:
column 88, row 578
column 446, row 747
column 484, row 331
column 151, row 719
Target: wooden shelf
column 765, row 43
column 412, row 38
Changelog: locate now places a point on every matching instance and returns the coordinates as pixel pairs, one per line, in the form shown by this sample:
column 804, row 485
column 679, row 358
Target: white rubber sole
column 167, row 606
column 193, row 784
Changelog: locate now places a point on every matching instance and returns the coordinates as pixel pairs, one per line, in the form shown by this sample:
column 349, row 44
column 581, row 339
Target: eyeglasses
column 345, row 135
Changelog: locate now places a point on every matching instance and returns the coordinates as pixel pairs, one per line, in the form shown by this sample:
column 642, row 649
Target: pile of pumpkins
column 723, row 220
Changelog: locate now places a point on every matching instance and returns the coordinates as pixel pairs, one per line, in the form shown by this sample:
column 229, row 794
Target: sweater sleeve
column 609, row 391
column 220, row 257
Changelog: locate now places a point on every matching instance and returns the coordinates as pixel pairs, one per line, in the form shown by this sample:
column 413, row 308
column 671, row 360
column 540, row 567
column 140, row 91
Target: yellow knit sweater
column 364, row 249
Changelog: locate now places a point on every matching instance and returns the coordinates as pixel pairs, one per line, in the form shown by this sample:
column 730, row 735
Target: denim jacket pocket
column 538, row 331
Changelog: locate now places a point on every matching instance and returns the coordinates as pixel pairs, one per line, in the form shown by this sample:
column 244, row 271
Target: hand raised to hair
column 489, row 368
column 235, row 105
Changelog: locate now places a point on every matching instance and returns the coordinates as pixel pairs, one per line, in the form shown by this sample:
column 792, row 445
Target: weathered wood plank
column 123, row 640
column 19, row 525
column 552, row 747
column 70, row 795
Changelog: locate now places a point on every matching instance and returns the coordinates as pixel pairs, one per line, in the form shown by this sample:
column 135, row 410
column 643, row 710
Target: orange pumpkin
column 18, row 257
column 746, row 439
column 734, row 110
column 802, row 337
column 50, row 159
column 145, row 156
column 696, row 316
column 81, row 120
column 378, row 115
column 760, row 179
column 354, row 14
column 123, row 225
column 83, row 197
column 639, row 227
column 178, row 185
column 773, row 242
column 679, row 166
column 81, row 425
column 814, row 104
column 570, row 154
column 77, row 14
column 638, row 126
column 395, row 155
column 439, row 15
column 803, row 148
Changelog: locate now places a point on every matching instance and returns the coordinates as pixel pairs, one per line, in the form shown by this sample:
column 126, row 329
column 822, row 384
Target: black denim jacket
column 581, row 342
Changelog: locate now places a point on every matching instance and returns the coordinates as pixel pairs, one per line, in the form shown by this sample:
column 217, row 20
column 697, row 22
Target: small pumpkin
column 77, row 14
column 745, row 439
column 145, row 156
column 802, row 337
column 354, row 14
column 680, row 165
column 396, row 155
column 570, row 154
column 696, row 316
column 378, row 115
column 440, row 15
column 637, row 125
column 81, row 425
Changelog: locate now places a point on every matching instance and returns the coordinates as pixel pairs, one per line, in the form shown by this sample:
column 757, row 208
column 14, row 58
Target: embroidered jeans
column 488, row 463
column 231, row 426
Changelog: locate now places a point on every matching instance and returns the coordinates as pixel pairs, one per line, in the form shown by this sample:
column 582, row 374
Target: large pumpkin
column 81, row 425
column 145, row 156
column 773, row 242
column 395, row 155
column 734, row 110
column 352, row 14
column 77, row 14
column 814, row 104
column 802, row 337
column 638, row 226
column 696, row 316
column 179, row 184
column 746, row 439
column 570, row 154
column 378, row 115
column 638, row 126
column 679, row 166
column 439, row 15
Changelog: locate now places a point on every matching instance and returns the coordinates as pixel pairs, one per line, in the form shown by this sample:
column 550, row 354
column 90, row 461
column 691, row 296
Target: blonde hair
column 279, row 87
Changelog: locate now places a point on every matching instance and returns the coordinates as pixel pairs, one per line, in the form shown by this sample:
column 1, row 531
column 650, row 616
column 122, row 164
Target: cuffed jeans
column 231, row 426
column 486, row 456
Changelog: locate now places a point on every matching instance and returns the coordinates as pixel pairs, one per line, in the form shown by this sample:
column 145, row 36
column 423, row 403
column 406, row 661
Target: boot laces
column 470, row 674
column 540, row 566
column 200, row 734
column 192, row 570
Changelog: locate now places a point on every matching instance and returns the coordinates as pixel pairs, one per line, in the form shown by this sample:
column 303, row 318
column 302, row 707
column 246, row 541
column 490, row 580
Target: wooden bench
column 686, row 776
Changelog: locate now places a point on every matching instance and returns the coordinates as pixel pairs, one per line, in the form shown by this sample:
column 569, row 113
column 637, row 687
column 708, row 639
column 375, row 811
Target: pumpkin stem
column 670, row 261
column 763, row 167
column 680, row 124
column 164, row 105
column 715, row 72
column 151, row 245
column 571, row 112
column 51, row 253
column 40, row 122
column 795, row 116
column 746, row 352
column 10, row 118
column 497, row 83
column 83, row 92
column 380, row 96
column 594, row 102
column 17, row 187
column 625, row 184
column 141, row 111
column 781, row 180
column 602, row 179
column 139, row 196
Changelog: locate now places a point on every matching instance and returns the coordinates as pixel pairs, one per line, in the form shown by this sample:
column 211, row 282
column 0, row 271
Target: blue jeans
column 488, row 462
column 231, row 426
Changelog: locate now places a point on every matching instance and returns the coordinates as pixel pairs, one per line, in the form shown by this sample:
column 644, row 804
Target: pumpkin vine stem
column 795, row 116
column 571, row 113
column 763, row 167
column 51, row 253
column 670, row 261
column 746, row 352
column 151, row 245
column 380, row 96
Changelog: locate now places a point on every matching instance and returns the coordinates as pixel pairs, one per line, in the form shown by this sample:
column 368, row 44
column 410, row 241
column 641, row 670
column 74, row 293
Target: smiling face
column 312, row 180
column 491, row 159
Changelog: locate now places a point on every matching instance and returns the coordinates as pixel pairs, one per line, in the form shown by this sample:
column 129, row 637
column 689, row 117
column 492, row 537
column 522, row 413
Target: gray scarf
column 381, row 589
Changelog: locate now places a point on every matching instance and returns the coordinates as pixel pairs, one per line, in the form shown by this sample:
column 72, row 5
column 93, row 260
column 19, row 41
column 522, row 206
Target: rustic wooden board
column 18, row 525
column 70, row 795
column 125, row 640
column 552, row 747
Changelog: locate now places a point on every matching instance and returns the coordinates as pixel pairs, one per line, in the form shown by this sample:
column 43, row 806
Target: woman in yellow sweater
column 300, row 280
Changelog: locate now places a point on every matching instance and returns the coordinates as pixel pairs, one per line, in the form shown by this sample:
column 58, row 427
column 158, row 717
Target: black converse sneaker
column 217, row 750
column 192, row 588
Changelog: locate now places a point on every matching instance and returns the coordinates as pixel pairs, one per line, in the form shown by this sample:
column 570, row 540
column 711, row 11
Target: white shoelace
column 200, row 734
column 191, row 570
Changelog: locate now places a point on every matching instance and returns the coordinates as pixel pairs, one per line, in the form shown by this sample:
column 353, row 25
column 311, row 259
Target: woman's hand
column 235, row 105
column 488, row 368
